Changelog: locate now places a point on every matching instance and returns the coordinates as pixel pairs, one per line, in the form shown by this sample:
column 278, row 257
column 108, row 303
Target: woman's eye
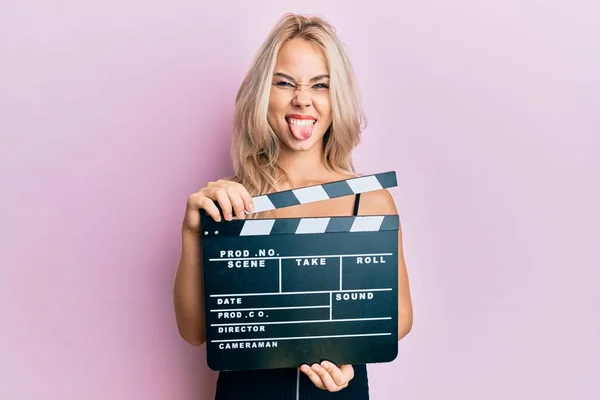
column 321, row 86
column 284, row 83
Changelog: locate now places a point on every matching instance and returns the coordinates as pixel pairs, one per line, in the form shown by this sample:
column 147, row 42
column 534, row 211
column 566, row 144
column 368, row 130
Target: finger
column 199, row 202
column 312, row 375
column 348, row 371
column 247, row 199
column 211, row 208
column 224, row 203
column 236, row 201
column 325, row 378
column 339, row 377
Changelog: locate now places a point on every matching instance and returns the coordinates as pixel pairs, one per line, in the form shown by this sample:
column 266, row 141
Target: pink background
column 112, row 112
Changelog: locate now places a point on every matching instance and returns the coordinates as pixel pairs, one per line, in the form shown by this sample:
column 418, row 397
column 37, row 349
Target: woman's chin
column 295, row 144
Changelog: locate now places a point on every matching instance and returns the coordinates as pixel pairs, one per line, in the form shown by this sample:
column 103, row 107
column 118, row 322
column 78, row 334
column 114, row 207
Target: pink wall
column 111, row 113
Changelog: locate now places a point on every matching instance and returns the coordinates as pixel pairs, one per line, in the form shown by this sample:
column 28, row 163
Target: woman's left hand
column 328, row 376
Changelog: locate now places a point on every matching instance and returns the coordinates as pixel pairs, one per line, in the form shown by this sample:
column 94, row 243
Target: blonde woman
column 297, row 120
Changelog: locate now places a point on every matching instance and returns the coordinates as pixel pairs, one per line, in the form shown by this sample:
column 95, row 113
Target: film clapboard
column 280, row 292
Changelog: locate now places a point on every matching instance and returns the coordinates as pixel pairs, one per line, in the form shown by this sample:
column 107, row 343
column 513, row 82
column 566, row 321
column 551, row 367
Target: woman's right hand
column 232, row 198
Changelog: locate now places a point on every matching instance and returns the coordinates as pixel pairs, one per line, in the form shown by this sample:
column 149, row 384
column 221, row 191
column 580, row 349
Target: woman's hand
column 328, row 376
column 232, row 197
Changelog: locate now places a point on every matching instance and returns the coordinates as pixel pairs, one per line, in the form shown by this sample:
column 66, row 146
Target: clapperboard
column 281, row 292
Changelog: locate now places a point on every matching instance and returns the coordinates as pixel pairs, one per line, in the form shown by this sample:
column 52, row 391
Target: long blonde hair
column 255, row 147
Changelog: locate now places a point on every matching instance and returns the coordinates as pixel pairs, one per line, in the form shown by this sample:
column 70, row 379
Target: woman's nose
column 302, row 98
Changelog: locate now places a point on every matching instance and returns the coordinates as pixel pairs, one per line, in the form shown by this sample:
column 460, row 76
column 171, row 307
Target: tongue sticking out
column 302, row 132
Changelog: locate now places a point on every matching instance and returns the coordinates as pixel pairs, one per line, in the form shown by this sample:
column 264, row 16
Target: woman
column 297, row 119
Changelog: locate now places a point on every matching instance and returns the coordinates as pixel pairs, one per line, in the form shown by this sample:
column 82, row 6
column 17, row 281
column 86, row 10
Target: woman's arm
column 381, row 202
column 331, row 377
column 188, row 290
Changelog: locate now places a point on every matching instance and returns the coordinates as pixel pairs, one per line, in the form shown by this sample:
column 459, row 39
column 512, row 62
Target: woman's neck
column 304, row 167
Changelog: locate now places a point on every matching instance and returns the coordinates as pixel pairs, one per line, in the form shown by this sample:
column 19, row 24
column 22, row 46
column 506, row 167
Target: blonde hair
column 255, row 147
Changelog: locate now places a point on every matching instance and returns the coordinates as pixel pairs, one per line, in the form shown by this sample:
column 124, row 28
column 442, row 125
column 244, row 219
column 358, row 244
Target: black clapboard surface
column 288, row 291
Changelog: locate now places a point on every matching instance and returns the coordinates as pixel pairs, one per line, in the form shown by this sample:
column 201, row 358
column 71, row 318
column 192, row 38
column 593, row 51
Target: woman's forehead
column 301, row 60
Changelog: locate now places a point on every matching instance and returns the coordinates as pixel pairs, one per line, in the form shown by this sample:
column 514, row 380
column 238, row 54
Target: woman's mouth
column 302, row 126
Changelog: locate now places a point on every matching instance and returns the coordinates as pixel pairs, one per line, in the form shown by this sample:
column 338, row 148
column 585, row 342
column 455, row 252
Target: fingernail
column 325, row 364
column 228, row 216
column 251, row 207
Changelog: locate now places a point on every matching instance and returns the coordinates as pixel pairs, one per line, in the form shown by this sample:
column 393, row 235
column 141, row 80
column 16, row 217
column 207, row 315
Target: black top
column 356, row 204
column 288, row 383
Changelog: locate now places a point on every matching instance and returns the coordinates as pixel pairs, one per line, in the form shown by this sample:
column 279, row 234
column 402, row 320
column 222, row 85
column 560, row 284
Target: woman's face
column 299, row 104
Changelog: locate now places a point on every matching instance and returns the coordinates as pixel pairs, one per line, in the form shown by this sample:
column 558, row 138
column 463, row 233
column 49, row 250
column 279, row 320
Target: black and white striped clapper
column 280, row 292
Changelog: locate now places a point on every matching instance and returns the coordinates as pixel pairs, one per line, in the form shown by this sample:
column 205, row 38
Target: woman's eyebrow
column 314, row 79
column 319, row 77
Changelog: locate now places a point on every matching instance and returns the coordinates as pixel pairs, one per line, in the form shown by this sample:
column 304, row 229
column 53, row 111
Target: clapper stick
column 280, row 292
column 325, row 191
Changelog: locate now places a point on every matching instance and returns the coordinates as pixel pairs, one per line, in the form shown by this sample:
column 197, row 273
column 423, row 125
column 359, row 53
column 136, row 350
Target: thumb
column 348, row 370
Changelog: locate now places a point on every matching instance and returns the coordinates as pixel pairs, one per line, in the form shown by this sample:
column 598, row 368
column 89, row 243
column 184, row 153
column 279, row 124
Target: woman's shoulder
column 378, row 202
